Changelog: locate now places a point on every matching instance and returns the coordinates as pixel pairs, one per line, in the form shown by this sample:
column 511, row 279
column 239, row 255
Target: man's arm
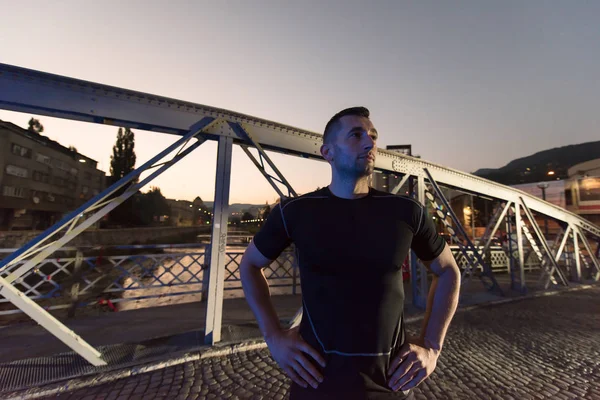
column 416, row 361
column 256, row 290
column 287, row 346
column 442, row 299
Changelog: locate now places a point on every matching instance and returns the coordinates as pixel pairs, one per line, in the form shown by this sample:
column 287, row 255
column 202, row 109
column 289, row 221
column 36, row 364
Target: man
column 351, row 241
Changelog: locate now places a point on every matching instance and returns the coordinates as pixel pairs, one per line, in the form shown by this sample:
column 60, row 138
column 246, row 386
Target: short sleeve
column 426, row 243
column 272, row 238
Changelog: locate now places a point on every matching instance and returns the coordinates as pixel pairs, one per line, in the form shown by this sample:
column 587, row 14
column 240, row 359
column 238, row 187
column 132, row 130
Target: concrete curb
column 220, row 351
column 69, row 385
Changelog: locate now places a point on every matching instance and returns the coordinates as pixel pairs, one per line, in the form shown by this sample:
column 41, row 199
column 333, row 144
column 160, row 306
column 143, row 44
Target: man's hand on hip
column 412, row 365
column 289, row 350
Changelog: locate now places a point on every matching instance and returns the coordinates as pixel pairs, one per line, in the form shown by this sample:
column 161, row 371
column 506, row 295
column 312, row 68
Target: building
column 582, row 192
column 41, row 180
column 551, row 191
column 579, row 193
column 189, row 213
column 387, row 182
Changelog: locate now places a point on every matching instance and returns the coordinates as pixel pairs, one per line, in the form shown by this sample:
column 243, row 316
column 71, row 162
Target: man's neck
column 350, row 189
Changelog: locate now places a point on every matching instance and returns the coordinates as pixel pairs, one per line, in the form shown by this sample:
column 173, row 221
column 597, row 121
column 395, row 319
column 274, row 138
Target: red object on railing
column 108, row 303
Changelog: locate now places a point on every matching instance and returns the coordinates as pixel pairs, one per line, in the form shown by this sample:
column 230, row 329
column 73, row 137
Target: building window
column 16, row 171
column 59, row 181
column 11, row 191
column 43, row 159
column 568, row 197
column 589, row 189
column 61, row 165
column 21, row 150
column 41, row 177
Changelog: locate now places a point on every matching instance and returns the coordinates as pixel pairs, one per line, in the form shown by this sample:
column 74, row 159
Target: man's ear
column 327, row 152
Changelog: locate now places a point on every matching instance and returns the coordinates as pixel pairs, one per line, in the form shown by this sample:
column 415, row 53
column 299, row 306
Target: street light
column 544, row 186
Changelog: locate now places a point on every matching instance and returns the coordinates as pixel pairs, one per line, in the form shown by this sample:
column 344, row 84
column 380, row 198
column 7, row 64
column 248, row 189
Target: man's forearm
column 256, row 290
column 441, row 306
column 429, row 305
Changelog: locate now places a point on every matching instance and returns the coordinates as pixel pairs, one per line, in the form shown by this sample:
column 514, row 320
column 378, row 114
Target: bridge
column 530, row 260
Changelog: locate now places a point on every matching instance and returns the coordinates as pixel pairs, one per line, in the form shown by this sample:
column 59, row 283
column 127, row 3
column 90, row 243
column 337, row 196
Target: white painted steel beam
column 54, row 326
column 218, row 243
column 41, row 93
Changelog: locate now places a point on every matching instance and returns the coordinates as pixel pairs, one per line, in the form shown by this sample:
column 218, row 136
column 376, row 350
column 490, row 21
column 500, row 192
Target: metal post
column 576, row 272
column 519, row 223
column 509, row 243
column 472, row 219
column 218, row 243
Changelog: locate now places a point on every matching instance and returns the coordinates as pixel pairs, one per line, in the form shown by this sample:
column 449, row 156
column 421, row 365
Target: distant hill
column 236, row 207
column 534, row 168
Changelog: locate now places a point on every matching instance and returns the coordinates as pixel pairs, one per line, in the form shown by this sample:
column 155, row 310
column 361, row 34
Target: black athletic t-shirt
column 350, row 254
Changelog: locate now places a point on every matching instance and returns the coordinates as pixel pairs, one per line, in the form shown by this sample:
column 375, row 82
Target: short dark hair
column 331, row 125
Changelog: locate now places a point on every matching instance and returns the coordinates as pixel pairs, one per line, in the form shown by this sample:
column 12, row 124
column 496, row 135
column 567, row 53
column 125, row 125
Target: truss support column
column 519, row 284
column 593, row 257
column 218, row 243
column 576, row 272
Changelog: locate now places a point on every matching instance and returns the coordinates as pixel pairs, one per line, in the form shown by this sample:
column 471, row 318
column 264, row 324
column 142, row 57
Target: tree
column 123, row 157
column 151, row 206
column 35, row 126
column 247, row 216
column 122, row 162
column 266, row 212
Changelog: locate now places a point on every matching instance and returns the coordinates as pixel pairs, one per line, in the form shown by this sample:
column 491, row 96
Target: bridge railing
column 159, row 275
column 156, row 275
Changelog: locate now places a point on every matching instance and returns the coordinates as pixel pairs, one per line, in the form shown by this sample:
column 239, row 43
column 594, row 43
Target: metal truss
column 30, row 91
column 37, row 92
column 30, row 255
column 547, row 254
column 469, row 251
column 244, row 135
column 218, row 243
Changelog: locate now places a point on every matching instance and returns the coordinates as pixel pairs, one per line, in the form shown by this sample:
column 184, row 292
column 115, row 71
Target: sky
column 470, row 84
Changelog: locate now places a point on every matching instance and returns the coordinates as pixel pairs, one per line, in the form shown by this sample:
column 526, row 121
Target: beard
column 351, row 167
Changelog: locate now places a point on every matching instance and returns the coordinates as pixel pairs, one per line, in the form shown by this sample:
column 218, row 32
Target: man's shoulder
column 298, row 201
column 396, row 198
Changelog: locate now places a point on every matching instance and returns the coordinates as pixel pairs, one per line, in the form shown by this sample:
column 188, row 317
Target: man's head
column 350, row 142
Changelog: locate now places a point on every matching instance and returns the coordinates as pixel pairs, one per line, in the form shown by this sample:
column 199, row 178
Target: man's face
column 354, row 147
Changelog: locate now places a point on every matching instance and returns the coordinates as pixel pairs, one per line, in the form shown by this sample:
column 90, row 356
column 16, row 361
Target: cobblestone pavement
column 543, row 348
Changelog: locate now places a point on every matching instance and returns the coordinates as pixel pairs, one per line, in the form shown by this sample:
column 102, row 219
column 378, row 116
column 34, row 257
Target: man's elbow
column 451, row 275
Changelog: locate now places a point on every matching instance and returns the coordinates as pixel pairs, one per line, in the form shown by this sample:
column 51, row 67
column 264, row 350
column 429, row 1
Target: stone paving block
column 524, row 350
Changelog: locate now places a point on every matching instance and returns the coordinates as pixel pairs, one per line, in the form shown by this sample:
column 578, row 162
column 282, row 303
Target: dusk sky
column 470, row 84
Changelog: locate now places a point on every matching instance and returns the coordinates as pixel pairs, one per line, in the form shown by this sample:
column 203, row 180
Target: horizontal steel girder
column 41, row 93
